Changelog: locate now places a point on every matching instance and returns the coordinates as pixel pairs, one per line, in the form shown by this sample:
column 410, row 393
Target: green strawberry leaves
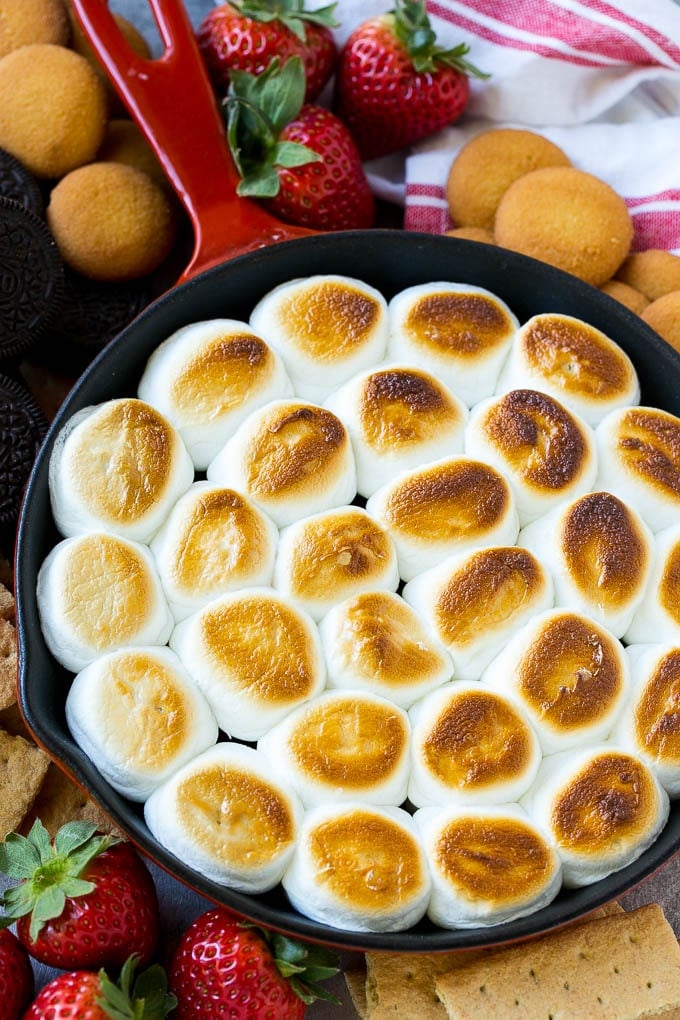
column 142, row 997
column 290, row 13
column 304, row 965
column 413, row 29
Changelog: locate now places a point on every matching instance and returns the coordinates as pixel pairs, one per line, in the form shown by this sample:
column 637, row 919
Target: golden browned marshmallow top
column 656, row 717
column 449, row 500
column 220, row 375
column 401, row 407
column 367, row 860
column 576, row 357
column 648, row 443
column 108, row 591
column 495, row 859
column 383, row 638
column 297, row 447
column 201, row 561
column 330, row 319
column 478, row 740
column 125, row 457
column 669, row 584
column 235, row 815
column 611, row 798
column 538, row 438
column 571, row 675
column 263, row 644
column 494, row 584
column 349, row 742
column 459, row 323
column 604, row 548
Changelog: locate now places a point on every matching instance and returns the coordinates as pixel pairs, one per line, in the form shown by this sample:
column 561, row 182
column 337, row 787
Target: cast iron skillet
column 390, row 261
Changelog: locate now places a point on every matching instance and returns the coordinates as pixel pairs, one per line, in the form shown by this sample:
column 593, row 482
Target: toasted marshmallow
column 118, row 466
column 291, row 458
column 657, row 617
column 546, row 451
column 376, row 642
column 138, row 715
column 254, row 655
column 572, row 361
column 398, row 418
column 206, row 379
column 97, row 593
column 228, row 815
column 568, row 673
column 474, row 602
column 343, row 746
column 488, row 865
column 459, row 332
column 649, row 724
column 326, row 328
column 599, row 552
column 215, row 540
column 328, row 557
column 639, row 460
column 359, row 867
column 443, row 508
column 470, row 745
column 600, row 807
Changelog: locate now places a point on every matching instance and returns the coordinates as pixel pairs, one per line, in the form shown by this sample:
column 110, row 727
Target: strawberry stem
column 413, row 29
column 291, row 13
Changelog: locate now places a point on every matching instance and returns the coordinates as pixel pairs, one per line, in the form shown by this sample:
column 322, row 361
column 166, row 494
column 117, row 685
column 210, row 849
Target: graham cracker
column 355, row 979
column 624, row 966
column 22, row 770
column 60, row 800
column 8, row 649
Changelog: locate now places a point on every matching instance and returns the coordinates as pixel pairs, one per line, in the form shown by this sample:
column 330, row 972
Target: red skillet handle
column 172, row 100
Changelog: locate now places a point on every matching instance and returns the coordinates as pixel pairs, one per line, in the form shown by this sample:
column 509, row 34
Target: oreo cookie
column 19, row 184
column 31, row 279
column 22, row 430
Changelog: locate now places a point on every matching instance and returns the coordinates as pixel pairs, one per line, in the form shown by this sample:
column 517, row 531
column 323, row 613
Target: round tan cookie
column 663, row 315
column 111, row 222
column 53, row 109
column 633, row 299
column 487, row 165
column 655, row 272
column 133, row 38
column 472, row 234
column 23, row 22
column 567, row 218
column 125, row 143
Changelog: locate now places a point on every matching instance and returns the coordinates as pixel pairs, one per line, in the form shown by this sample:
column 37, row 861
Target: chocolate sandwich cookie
column 19, row 184
column 31, row 279
column 22, row 429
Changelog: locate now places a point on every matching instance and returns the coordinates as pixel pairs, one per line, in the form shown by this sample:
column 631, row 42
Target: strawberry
column 16, row 977
column 85, row 995
column 85, row 900
column 395, row 85
column 224, row 967
column 299, row 159
column 248, row 35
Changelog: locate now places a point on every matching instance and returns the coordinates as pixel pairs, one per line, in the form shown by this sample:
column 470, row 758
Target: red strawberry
column 223, row 967
column 85, row 995
column 395, row 85
column 247, row 36
column 16, row 977
column 85, row 900
column 301, row 160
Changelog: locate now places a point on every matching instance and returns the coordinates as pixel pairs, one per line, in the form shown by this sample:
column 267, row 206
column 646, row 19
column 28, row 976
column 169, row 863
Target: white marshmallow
column 215, row 540
column 600, row 807
column 343, row 746
column 460, row 332
column 228, row 815
column 206, row 379
column 475, row 601
column 96, row 593
column 291, row 458
column 326, row 328
column 398, row 418
column 255, row 655
column 138, row 716
column 569, row 675
column 443, row 508
column 376, row 642
column 657, row 617
column 489, row 865
column 117, row 466
column 359, row 867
